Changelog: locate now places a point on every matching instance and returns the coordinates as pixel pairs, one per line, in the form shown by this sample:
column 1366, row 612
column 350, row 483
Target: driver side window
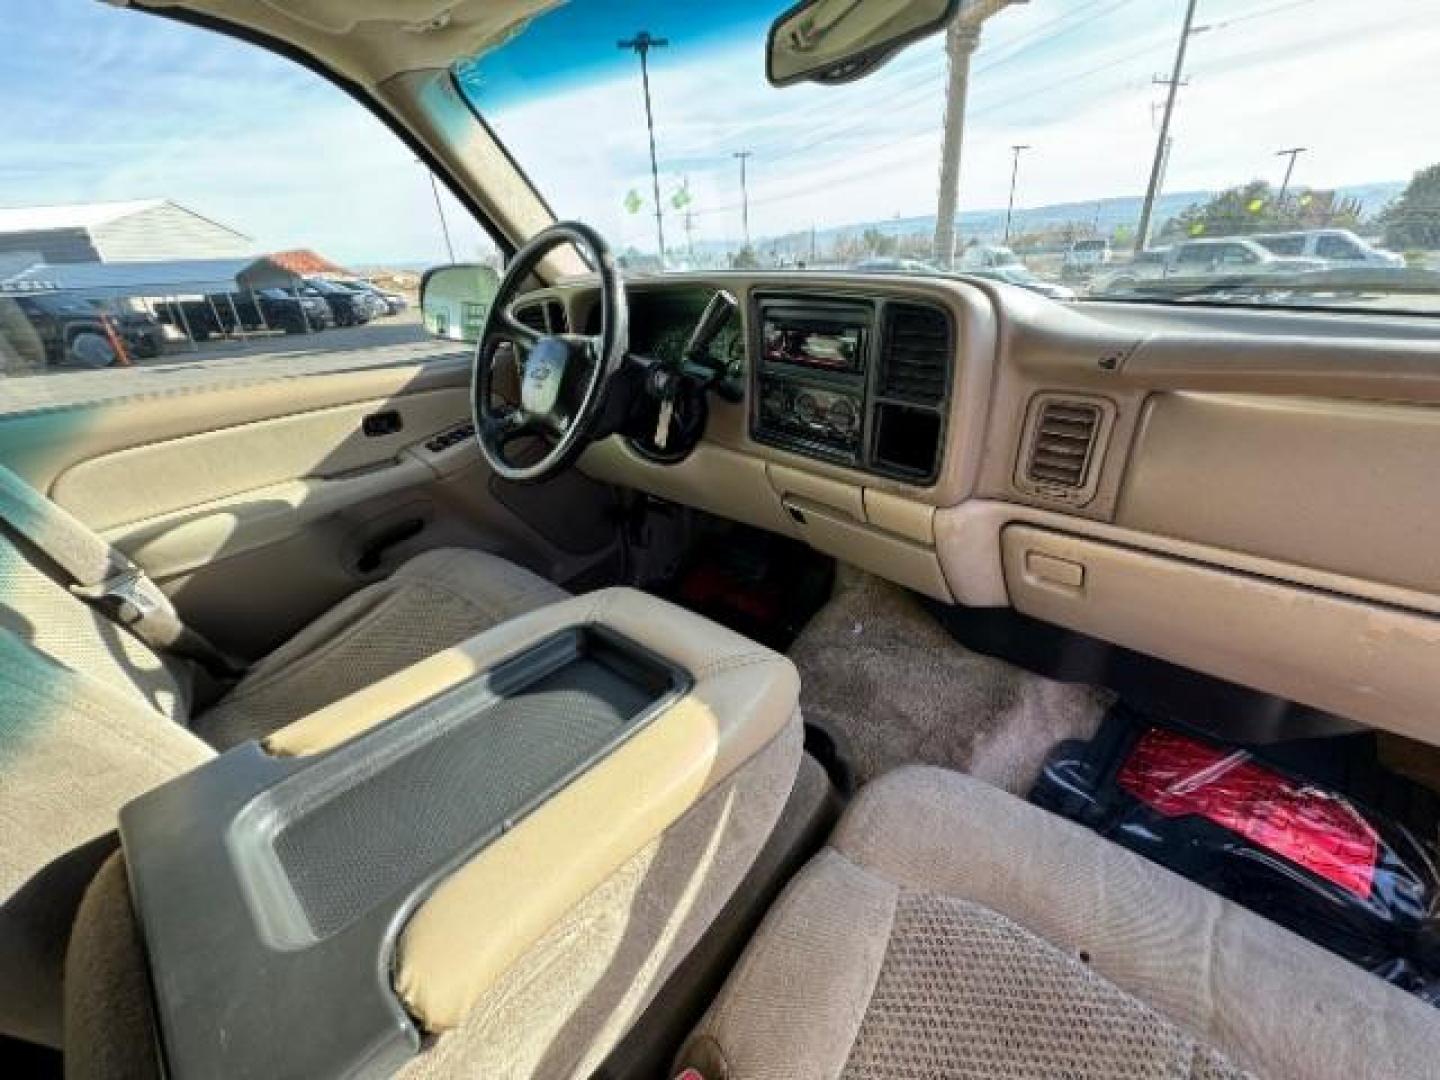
column 216, row 212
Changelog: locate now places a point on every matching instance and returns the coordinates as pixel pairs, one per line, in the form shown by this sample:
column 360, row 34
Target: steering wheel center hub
column 544, row 375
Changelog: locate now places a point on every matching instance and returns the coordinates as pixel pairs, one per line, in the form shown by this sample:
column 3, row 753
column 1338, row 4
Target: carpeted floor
column 884, row 677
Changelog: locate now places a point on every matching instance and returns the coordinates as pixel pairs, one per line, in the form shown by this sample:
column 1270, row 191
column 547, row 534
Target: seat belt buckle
column 130, row 586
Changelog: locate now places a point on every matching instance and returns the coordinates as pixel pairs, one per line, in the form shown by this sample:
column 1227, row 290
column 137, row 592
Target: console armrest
column 369, row 874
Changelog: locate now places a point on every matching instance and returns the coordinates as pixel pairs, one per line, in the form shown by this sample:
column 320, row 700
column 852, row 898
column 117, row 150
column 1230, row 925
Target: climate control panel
column 824, row 416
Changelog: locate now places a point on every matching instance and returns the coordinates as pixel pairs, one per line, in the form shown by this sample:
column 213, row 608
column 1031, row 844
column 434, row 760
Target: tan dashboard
column 1248, row 493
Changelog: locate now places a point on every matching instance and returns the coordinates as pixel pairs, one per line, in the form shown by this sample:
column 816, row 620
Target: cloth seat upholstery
column 951, row 931
column 91, row 717
column 435, row 600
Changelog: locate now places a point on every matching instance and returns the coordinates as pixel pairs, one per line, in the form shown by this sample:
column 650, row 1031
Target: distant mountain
column 1103, row 215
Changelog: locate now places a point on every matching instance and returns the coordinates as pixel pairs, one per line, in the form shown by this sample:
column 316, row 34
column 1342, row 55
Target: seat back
column 90, row 717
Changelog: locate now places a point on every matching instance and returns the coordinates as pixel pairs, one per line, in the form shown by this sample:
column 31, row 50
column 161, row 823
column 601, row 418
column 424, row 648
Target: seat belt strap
column 104, row 576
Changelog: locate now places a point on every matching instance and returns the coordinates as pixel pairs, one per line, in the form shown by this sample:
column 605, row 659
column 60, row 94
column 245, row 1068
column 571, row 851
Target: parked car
column 1086, row 256
column 373, row 303
column 394, row 302
column 1209, row 260
column 894, row 265
column 294, row 315
column 1338, row 247
column 987, row 257
column 349, row 307
column 59, row 323
column 1021, row 275
column 144, row 336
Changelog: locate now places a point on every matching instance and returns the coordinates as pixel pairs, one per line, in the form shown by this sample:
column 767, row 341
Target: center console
column 858, row 381
column 327, row 903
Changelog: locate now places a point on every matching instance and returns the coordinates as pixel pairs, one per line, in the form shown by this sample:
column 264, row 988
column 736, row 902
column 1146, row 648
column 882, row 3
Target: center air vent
column 1062, row 444
column 915, row 354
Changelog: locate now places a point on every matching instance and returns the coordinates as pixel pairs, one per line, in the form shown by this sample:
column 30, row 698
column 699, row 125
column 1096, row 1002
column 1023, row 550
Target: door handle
column 382, row 423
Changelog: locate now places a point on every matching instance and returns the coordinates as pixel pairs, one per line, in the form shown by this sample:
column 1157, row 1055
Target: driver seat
column 91, row 717
column 435, row 600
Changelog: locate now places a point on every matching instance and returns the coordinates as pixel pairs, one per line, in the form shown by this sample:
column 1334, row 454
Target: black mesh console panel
column 270, row 891
column 419, row 810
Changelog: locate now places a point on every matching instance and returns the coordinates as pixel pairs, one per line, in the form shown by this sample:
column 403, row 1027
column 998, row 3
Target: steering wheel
column 563, row 377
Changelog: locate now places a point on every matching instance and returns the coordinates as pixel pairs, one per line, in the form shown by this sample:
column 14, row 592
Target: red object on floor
column 710, row 584
column 1322, row 832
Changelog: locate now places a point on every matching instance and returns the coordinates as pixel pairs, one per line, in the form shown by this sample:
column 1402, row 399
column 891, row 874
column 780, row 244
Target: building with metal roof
column 144, row 230
column 304, row 261
column 174, row 277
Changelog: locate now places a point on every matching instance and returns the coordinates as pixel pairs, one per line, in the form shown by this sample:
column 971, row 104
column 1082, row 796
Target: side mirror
column 454, row 300
column 836, row 41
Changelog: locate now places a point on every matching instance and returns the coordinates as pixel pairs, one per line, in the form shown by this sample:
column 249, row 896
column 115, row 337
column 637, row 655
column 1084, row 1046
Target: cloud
column 108, row 104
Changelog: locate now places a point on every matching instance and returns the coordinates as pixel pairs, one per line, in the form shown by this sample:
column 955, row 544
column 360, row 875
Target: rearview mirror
column 454, row 300
column 836, row 41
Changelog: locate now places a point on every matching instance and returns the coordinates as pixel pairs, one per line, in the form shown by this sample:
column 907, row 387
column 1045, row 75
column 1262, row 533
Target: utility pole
column 641, row 44
column 1293, row 152
column 1014, row 172
column 962, row 38
column 1142, row 233
column 744, row 156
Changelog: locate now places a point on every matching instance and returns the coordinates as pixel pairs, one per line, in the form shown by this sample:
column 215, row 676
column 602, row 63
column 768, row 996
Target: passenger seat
column 951, row 930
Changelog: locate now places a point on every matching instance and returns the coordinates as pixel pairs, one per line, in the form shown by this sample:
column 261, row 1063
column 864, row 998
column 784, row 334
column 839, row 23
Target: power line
column 808, row 190
column 929, row 86
column 1008, row 57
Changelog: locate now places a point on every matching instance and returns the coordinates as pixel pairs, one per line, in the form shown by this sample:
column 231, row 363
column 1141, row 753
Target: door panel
column 128, row 485
column 260, row 506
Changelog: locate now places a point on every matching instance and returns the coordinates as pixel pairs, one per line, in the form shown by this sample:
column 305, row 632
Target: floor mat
column 882, row 675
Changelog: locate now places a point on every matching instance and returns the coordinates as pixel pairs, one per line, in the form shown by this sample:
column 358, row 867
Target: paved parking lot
column 393, row 340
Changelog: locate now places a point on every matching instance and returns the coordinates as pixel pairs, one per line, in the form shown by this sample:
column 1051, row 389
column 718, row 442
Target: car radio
column 811, row 381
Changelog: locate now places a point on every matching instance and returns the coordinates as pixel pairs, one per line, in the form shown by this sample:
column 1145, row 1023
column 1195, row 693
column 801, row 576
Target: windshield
column 1292, row 116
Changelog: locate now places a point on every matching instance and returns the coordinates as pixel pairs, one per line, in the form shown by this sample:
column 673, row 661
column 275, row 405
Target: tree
column 1253, row 207
column 1235, row 211
column 878, row 243
column 1413, row 220
column 744, row 259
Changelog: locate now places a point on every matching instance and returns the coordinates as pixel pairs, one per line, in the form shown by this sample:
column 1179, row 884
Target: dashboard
column 1248, row 493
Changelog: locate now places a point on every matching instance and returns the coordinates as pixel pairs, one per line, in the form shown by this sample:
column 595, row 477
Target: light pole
column 1014, row 172
column 1162, row 144
column 641, row 44
column 1293, row 152
column 744, row 155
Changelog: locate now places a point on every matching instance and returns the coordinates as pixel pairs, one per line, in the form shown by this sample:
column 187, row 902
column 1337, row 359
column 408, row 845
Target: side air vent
column 915, row 354
column 548, row 316
column 1062, row 444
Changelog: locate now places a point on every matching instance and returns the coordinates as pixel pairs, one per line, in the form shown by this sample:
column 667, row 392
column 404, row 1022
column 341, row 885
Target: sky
column 109, row 104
